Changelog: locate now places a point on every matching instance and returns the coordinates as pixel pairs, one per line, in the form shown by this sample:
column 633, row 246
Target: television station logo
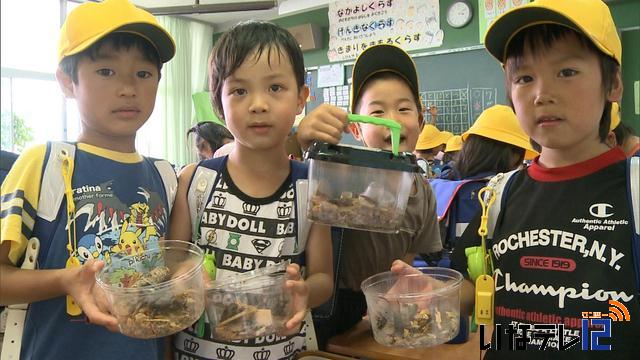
column 595, row 326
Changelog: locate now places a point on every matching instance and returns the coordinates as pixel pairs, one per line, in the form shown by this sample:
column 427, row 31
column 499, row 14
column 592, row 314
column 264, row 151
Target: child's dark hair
column 385, row 75
column 118, row 40
column 540, row 38
column 236, row 45
column 480, row 154
column 214, row 134
column 450, row 156
column 622, row 132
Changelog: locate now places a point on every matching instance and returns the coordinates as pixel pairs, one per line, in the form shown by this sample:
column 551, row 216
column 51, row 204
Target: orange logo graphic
column 618, row 311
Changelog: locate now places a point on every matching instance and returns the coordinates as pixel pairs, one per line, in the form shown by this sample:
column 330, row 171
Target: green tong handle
column 210, row 268
column 394, row 126
column 210, row 265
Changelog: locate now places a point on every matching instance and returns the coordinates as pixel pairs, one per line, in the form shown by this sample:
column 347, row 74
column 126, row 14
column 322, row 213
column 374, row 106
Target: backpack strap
column 500, row 183
column 169, row 180
column 17, row 313
column 633, row 188
column 204, row 179
column 52, row 184
column 299, row 174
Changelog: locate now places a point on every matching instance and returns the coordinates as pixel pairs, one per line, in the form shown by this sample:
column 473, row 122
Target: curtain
column 164, row 135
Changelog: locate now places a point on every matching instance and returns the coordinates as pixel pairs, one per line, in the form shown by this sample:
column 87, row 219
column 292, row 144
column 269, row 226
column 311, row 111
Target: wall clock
column 459, row 13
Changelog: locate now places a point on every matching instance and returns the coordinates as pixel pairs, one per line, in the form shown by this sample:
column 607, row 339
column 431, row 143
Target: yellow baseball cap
column 92, row 21
column 615, row 116
column 382, row 58
column 431, row 137
column 589, row 17
column 454, row 144
column 499, row 123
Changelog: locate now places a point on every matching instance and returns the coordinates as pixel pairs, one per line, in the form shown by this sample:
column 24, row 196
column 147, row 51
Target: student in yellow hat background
column 562, row 62
column 452, row 148
column 430, row 148
column 431, row 142
column 454, row 144
column 494, row 143
column 110, row 55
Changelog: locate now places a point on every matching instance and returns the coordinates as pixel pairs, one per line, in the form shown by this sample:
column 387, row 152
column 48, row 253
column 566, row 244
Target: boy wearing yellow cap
column 562, row 245
column 385, row 84
column 110, row 55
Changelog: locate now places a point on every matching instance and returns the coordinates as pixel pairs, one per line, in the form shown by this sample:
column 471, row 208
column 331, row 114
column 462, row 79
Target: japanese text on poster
column 355, row 25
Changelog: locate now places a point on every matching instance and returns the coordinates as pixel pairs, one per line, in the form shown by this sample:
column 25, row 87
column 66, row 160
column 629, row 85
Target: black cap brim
column 382, row 58
column 158, row 37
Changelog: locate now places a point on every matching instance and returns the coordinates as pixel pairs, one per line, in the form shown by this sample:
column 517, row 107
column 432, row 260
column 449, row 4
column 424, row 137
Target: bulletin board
column 461, row 84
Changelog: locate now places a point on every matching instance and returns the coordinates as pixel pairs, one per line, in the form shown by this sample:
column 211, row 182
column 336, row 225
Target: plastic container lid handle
column 394, row 126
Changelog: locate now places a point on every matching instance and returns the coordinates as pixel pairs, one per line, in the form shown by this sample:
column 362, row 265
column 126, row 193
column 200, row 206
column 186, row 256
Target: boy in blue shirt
column 110, row 55
column 243, row 205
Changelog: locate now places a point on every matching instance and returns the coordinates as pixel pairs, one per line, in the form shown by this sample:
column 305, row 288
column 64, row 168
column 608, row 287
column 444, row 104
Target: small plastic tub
column 156, row 293
column 249, row 305
column 359, row 188
column 415, row 310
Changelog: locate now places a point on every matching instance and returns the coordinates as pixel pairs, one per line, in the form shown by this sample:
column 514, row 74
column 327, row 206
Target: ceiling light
column 198, row 8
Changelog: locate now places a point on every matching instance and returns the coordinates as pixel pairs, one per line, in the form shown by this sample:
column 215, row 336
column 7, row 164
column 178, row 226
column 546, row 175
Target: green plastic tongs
column 210, row 267
column 394, row 126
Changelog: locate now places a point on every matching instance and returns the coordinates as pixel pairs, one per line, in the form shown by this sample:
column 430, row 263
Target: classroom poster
column 490, row 9
column 330, row 75
column 337, row 96
column 355, row 25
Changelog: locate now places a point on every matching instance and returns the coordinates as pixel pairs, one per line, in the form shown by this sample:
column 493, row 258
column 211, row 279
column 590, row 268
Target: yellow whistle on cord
column 485, row 292
column 479, row 258
column 72, row 308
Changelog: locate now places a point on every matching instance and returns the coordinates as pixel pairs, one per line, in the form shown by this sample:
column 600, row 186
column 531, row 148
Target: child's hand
column 300, row 297
column 325, row 123
column 417, row 284
column 399, row 267
column 81, row 285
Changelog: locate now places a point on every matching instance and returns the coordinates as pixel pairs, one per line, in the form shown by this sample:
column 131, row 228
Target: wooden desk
column 358, row 342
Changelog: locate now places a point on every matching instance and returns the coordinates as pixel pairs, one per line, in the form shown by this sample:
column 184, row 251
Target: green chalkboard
column 461, row 84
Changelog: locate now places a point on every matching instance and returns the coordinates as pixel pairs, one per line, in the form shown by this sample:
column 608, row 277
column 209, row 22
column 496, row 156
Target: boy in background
column 110, row 56
column 209, row 137
column 385, row 84
column 256, row 77
column 562, row 67
column 430, row 149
